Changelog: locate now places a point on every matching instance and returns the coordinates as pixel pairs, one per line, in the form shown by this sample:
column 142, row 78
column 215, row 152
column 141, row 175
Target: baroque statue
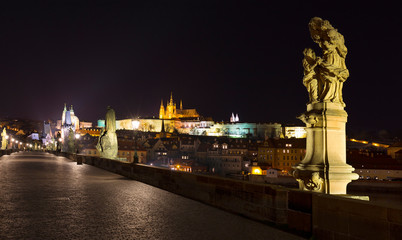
column 324, row 76
column 4, row 139
column 324, row 168
column 107, row 143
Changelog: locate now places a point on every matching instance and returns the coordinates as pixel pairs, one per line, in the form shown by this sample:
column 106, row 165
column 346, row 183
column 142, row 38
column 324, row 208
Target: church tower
column 161, row 111
column 63, row 116
column 170, row 108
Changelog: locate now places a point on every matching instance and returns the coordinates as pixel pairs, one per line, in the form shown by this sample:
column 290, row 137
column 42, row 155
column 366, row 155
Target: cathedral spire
column 171, row 98
column 181, row 105
column 65, row 107
column 161, row 110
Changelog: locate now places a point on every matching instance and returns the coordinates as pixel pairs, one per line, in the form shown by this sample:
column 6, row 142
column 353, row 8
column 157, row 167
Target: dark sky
column 218, row 57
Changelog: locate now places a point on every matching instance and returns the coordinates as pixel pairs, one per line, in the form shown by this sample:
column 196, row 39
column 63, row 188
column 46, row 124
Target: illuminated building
column 74, row 119
column 294, row 132
column 374, row 165
column 234, row 118
column 95, row 132
column 85, row 125
column 171, row 112
column 67, row 124
column 128, row 149
column 230, row 156
column 282, row 153
column 239, row 130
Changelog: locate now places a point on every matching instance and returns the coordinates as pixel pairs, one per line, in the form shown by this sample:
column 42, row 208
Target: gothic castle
column 171, row 112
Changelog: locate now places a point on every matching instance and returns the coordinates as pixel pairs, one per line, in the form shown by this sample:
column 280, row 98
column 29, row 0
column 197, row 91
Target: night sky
column 218, row 57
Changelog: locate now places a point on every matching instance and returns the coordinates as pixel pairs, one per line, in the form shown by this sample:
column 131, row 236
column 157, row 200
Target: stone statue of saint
column 107, row 143
column 324, row 77
column 4, row 139
column 310, row 77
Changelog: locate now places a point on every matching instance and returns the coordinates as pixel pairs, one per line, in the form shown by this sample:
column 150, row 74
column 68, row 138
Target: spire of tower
column 181, row 105
column 237, row 118
column 63, row 115
column 171, row 98
column 71, row 108
column 162, row 110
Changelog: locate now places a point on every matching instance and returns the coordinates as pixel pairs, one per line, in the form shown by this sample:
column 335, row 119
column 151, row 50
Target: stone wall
column 8, row 151
column 304, row 213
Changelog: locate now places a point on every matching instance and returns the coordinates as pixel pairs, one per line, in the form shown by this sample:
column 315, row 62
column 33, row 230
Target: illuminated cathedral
column 171, row 112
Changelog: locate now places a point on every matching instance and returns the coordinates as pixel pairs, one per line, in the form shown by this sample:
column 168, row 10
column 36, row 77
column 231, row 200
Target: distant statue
column 71, row 141
column 58, row 142
column 324, row 77
column 107, row 143
column 4, row 139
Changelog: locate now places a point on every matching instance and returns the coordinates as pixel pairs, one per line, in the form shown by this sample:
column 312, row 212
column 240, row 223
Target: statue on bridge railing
column 4, row 139
column 324, row 77
column 324, row 168
column 107, row 143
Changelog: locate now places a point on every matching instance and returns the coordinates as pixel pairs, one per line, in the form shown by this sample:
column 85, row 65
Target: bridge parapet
column 305, row 213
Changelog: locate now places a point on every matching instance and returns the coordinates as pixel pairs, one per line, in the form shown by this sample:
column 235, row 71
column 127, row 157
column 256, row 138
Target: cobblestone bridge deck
column 47, row 197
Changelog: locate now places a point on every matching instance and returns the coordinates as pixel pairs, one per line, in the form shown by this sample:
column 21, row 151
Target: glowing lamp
column 256, row 171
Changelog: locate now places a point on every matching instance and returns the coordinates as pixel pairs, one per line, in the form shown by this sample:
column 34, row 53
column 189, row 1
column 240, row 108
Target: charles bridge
column 48, row 195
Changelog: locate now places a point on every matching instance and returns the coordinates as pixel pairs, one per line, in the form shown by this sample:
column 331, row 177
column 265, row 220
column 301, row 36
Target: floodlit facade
column 171, row 112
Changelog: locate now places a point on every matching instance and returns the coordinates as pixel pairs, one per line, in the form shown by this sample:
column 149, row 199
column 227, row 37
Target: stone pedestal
column 324, row 167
